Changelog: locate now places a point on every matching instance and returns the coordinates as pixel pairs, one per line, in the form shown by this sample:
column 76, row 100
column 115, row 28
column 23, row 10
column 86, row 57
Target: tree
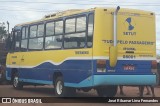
column 3, row 32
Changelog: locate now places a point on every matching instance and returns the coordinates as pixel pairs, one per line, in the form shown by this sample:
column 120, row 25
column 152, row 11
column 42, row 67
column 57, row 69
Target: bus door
column 14, row 55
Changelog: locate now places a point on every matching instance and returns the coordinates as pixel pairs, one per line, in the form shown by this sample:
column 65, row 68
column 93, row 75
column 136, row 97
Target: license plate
column 129, row 67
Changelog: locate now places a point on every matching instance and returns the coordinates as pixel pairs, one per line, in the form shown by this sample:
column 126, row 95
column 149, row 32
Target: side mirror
column 113, row 56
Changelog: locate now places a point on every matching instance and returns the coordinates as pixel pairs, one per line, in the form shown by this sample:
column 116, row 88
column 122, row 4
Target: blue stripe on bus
column 76, row 72
column 85, row 83
column 124, row 80
column 100, row 80
column 73, row 71
column 105, row 80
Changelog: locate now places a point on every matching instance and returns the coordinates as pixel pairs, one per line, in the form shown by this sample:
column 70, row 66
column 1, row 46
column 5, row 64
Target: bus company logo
column 130, row 23
column 130, row 26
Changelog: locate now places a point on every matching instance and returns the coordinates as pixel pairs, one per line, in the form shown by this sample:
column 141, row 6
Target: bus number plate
column 129, row 67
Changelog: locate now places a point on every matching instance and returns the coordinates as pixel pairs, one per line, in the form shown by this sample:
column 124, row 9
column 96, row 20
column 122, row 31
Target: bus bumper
column 124, row 80
column 100, row 80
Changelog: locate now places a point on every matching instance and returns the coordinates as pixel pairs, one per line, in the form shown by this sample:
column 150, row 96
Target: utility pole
column 8, row 27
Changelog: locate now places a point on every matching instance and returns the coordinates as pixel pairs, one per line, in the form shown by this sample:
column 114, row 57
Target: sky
column 20, row 11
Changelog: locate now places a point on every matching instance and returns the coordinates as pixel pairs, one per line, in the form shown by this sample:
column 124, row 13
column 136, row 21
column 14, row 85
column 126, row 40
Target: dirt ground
column 48, row 91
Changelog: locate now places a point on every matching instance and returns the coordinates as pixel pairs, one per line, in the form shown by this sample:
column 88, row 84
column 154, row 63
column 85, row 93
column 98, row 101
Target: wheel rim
column 59, row 87
column 15, row 83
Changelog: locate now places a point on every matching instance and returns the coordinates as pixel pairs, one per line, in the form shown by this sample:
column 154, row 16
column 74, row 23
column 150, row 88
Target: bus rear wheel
column 61, row 90
column 107, row 91
column 16, row 83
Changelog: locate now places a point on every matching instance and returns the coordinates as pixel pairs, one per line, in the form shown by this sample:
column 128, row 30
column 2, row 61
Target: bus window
column 81, row 24
column 24, row 39
column 76, row 40
column 59, row 27
column 90, row 30
column 26, row 32
column 24, row 45
column 23, row 32
column 36, row 37
column 50, row 29
column 53, row 42
column 36, row 43
column 33, row 31
column 17, row 40
column 40, row 31
column 70, row 25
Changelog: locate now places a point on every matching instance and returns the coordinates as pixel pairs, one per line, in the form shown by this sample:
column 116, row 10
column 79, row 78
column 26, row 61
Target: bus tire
column 106, row 91
column 61, row 90
column 16, row 83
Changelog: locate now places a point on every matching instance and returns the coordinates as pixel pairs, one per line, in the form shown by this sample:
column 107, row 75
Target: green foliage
column 3, row 32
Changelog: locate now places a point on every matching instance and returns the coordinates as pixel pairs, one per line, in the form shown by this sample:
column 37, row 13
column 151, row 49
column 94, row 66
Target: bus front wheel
column 16, row 83
column 61, row 90
column 107, row 91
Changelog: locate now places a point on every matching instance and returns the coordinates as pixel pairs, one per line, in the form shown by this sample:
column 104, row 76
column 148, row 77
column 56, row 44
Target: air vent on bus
column 61, row 13
column 49, row 16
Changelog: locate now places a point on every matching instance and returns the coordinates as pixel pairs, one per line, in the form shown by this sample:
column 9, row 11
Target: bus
column 97, row 48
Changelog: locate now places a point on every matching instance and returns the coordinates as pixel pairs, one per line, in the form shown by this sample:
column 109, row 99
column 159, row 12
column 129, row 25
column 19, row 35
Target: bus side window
column 70, row 25
column 40, row 30
column 53, row 42
column 33, row 31
column 58, row 27
column 17, row 40
column 75, row 32
column 90, row 31
column 76, row 40
column 81, row 24
column 50, row 28
column 24, row 39
column 36, row 43
column 23, row 32
column 36, row 37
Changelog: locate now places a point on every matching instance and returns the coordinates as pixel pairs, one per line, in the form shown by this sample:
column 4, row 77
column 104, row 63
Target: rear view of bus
column 126, row 39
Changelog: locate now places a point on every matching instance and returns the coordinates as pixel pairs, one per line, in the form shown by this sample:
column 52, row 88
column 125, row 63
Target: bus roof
column 77, row 11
